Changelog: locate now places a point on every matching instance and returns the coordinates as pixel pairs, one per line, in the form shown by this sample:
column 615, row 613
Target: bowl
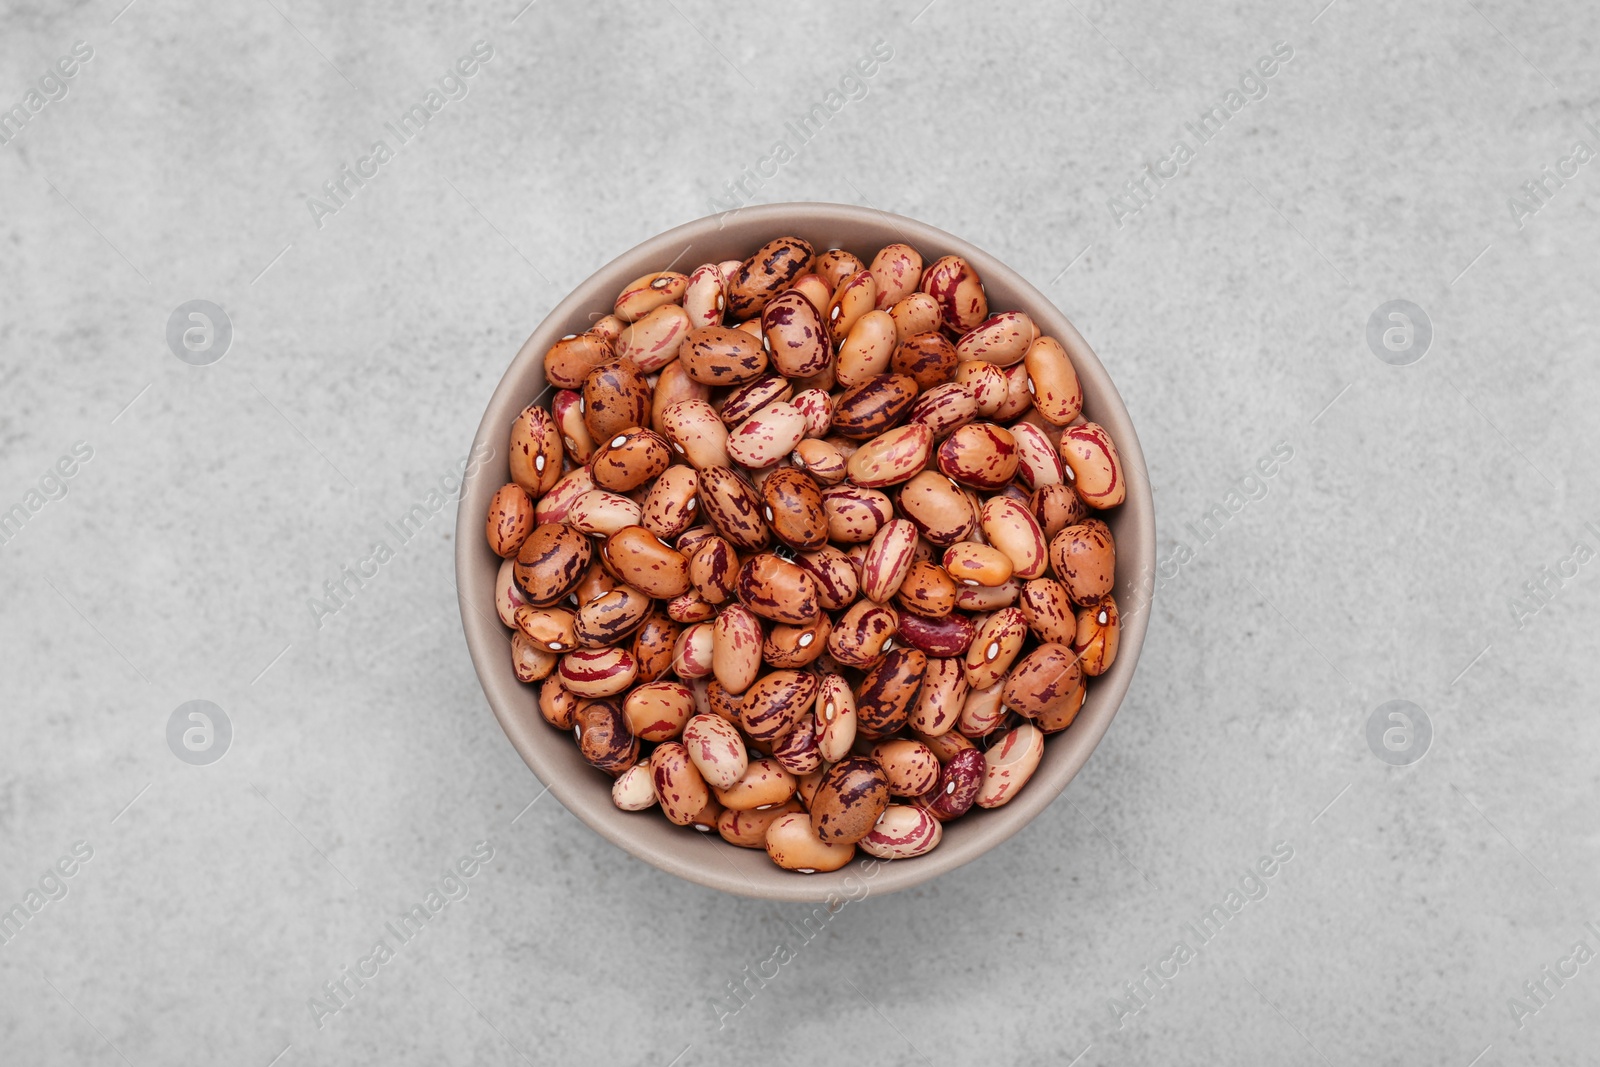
column 552, row 755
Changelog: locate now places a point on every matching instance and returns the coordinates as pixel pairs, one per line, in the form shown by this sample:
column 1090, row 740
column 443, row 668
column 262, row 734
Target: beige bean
column 791, row 647
column 693, row 651
column 529, row 662
column 927, row 590
column 939, row 702
column 600, row 513
column 855, row 514
column 903, row 832
column 598, row 672
column 736, row 655
column 1045, row 684
column 507, row 594
column 1019, row 399
column 1011, row 528
column 897, row 270
column 892, row 457
column 955, row 286
column 714, row 570
column 817, row 407
column 681, row 790
column 914, row 314
column 835, row 717
column 767, row 436
column 1057, row 507
column 704, row 298
column 1096, row 470
column 643, row 295
column 1010, row 764
column 673, row 385
column 941, row 511
column 654, row 646
column 1002, row 340
column 867, row 349
column 696, row 432
column 635, row 788
column 988, row 598
column 815, row 288
column 1038, row 462
column 888, row 560
column 986, row 383
column 795, row 846
column 945, row 407
column 836, row 580
column 716, row 749
column 566, row 407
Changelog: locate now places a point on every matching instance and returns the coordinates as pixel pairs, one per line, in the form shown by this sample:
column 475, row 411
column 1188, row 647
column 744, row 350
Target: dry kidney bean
column 900, row 546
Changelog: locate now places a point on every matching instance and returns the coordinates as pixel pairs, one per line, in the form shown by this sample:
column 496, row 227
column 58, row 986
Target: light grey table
column 1428, row 532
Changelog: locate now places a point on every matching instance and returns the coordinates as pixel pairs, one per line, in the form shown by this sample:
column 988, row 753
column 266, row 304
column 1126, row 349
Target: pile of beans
column 803, row 549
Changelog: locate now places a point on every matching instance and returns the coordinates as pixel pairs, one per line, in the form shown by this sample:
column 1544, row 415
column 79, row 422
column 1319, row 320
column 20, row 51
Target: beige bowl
column 552, row 754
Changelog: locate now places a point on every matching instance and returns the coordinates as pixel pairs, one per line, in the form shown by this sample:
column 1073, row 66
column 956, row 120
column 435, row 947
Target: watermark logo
column 199, row 732
column 1399, row 733
column 199, row 332
column 51, row 887
column 1399, row 333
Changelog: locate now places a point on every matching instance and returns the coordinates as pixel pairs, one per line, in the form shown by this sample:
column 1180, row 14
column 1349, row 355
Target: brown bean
column 970, row 563
column 887, row 693
column 629, row 459
column 644, row 295
column 704, row 298
column 821, row 460
column 550, row 629
column 1002, row 340
column 511, row 519
column 852, row 795
column 1056, row 507
column 835, row 265
column 855, row 514
column 945, row 407
column 910, row 766
column 529, row 662
column 796, row 751
column 598, row 672
column 797, row 341
column 862, row 634
column 1099, row 632
column 939, row 702
column 551, row 562
column 867, row 349
column 616, row 396
column 716, row 749
column 722, row 355
column 876, row 405
column 637, row 557
column 995, row 647
column 745, row 400
column 761, row 277
column 767, row 436
column 714, row 570
column 1047, row 609
column 603, row 737
column 927, row 358
column 535, row 451
column 855, row 297
column 888, row 560
column 1084, row 557
column 892, row 457
column 673, row 502
column 1011, row 527
column 793, row 509
column 927, row 590
column 937, row 506
column 734, row 508
column 776, row 589
column 748, row 829
column 836, row 580
column 1045, row 683
column 771, row 707
column 960, row 779
column 568, row 362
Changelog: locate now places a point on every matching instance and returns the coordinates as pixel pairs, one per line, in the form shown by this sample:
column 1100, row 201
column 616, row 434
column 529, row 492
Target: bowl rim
column 688, row 857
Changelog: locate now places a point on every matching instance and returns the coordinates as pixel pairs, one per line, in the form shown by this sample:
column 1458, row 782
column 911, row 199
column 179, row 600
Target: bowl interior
column 552, row 755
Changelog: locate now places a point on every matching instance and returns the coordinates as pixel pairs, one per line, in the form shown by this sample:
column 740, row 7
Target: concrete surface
column 1384, row 559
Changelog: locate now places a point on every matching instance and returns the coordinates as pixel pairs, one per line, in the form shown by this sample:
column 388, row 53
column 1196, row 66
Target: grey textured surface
column 1385, row 560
